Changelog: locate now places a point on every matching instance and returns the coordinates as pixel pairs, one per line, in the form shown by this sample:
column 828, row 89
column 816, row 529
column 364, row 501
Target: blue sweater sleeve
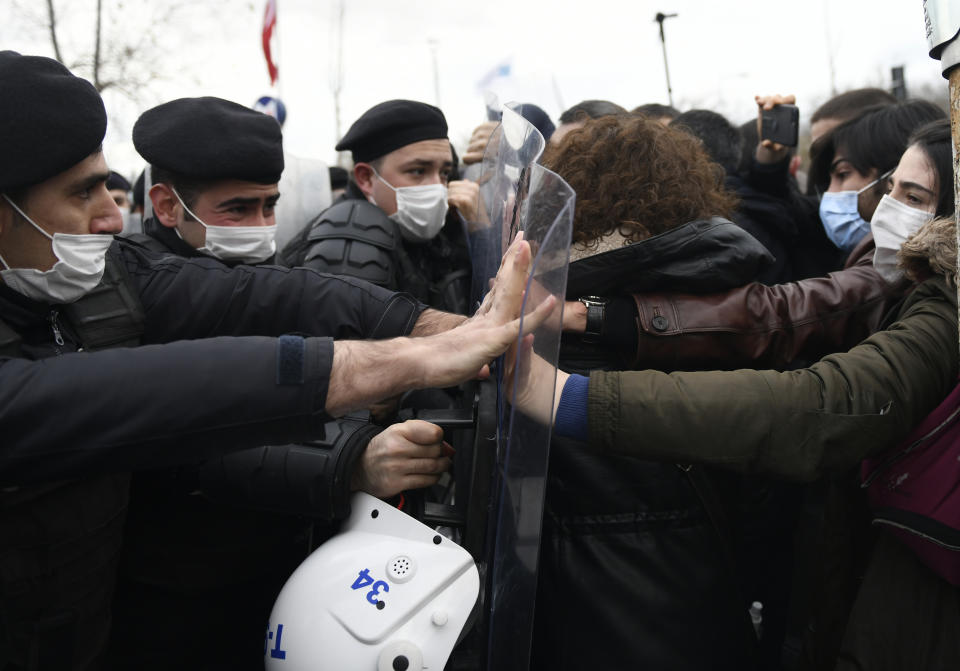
column 571, row 419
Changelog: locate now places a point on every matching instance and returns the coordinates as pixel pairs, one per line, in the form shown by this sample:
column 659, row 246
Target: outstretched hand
column 365, row 371
column 466, row 351
column 531, row 384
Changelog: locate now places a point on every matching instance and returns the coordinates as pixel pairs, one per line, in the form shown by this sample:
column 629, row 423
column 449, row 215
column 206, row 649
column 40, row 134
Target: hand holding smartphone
column 780, row 124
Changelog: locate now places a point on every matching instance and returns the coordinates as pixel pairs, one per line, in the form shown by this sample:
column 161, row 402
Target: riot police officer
column 391, row 226
column 208, row 546
column 82, row 404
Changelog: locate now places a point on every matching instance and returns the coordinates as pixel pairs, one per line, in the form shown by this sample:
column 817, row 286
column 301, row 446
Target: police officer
column 81, row 403
column 197, row 574
column 214, row 168
column 391, row 226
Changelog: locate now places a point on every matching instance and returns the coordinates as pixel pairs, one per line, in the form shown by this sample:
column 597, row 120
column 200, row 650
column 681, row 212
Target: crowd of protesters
column 746, row 332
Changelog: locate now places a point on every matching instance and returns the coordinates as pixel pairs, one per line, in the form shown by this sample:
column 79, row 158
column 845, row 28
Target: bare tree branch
column 96, row 48
column 52, row 22
column 126, row 62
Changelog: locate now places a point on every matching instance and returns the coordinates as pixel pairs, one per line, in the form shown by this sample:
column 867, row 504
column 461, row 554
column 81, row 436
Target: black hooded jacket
column 633, row 570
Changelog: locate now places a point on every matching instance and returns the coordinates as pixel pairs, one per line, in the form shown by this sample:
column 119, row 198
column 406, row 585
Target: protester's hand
column 478, row 142
column 465, row 197
column 403, row 456
column 769, row 151
column 532, row 385
column 465, row 351
column 574, row 317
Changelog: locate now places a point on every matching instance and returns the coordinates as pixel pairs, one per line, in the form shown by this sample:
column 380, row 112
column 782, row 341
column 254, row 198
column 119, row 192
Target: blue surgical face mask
column 840, row 215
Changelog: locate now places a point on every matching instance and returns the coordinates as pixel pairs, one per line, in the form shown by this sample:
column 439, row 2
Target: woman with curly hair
column 634, row 179
column 628, row 564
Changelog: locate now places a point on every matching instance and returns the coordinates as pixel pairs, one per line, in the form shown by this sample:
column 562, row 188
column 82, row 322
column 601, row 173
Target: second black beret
column 211, row 138
column 391, row 125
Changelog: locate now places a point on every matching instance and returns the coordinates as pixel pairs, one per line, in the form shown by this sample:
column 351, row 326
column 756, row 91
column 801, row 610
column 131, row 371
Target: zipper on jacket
column 917, row 532
column 57, row 336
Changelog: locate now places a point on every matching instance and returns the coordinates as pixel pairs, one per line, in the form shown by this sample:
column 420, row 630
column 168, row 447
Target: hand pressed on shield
column 467, row 350
column 404, row 456
column 532, row 385
column 769, row 151
column 366, row 371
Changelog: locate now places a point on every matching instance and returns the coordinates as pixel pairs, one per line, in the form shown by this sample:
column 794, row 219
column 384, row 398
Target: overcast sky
column 560, row 52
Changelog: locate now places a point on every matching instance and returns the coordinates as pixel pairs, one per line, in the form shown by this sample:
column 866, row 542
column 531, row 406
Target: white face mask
column 245, row 244
column 81, row 260
column 421, row 210
column 892, row 223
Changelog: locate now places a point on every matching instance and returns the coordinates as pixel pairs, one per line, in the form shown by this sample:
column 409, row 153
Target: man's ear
column 364, row 176
column 165, row 204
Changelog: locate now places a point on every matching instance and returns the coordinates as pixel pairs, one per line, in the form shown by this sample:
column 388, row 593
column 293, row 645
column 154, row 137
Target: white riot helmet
column 386, row 593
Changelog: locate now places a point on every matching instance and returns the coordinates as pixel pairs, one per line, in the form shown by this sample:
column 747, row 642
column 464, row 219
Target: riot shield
column 500, row 477
column 519, row 195
column 512, row 150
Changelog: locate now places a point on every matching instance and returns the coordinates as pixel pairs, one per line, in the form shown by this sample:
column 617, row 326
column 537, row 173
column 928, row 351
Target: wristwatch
column 596, row 307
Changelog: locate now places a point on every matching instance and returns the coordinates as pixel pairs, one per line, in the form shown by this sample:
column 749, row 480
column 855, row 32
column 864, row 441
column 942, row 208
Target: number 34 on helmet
column 386, row 593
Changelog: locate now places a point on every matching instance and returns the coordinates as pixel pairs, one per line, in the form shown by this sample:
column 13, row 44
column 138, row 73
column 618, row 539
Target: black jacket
column 69, row 416
column 213, row 378
column 811, row 253
column 770, row 221
column 633, row 573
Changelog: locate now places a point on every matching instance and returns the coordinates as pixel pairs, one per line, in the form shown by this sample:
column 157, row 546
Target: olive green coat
column 806, row 424
column 798, row 424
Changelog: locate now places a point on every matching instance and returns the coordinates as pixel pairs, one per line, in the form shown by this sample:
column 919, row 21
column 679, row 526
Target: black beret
column 391, row 125
column 117, row 181
column 50, row 119
column 210, row 139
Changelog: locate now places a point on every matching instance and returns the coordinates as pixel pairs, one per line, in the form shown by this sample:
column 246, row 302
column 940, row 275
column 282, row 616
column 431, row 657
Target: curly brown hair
column 636, row 176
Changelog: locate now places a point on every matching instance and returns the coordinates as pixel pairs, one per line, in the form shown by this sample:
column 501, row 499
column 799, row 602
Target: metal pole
column 436, row 74
column 663, row 42
column 954, row 77
column 942, row 23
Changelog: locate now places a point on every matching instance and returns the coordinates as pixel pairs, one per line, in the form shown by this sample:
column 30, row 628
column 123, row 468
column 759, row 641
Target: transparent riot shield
column 519, row 195
column 394, row 590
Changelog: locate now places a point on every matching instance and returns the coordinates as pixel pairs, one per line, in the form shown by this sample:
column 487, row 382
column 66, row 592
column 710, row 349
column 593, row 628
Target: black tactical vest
column 60, row 541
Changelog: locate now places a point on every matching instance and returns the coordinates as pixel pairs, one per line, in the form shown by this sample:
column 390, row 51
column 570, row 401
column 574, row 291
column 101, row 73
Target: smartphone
column 781, row 124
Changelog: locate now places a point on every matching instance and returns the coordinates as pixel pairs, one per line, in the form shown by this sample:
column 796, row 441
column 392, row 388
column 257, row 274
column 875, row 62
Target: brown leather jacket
column 758, row 326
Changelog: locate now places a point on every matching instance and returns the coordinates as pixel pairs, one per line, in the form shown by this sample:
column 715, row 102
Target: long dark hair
column 873, row 141
column 935, row 141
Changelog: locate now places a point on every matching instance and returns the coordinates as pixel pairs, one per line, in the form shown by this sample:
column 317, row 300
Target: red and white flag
column 270, row 25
